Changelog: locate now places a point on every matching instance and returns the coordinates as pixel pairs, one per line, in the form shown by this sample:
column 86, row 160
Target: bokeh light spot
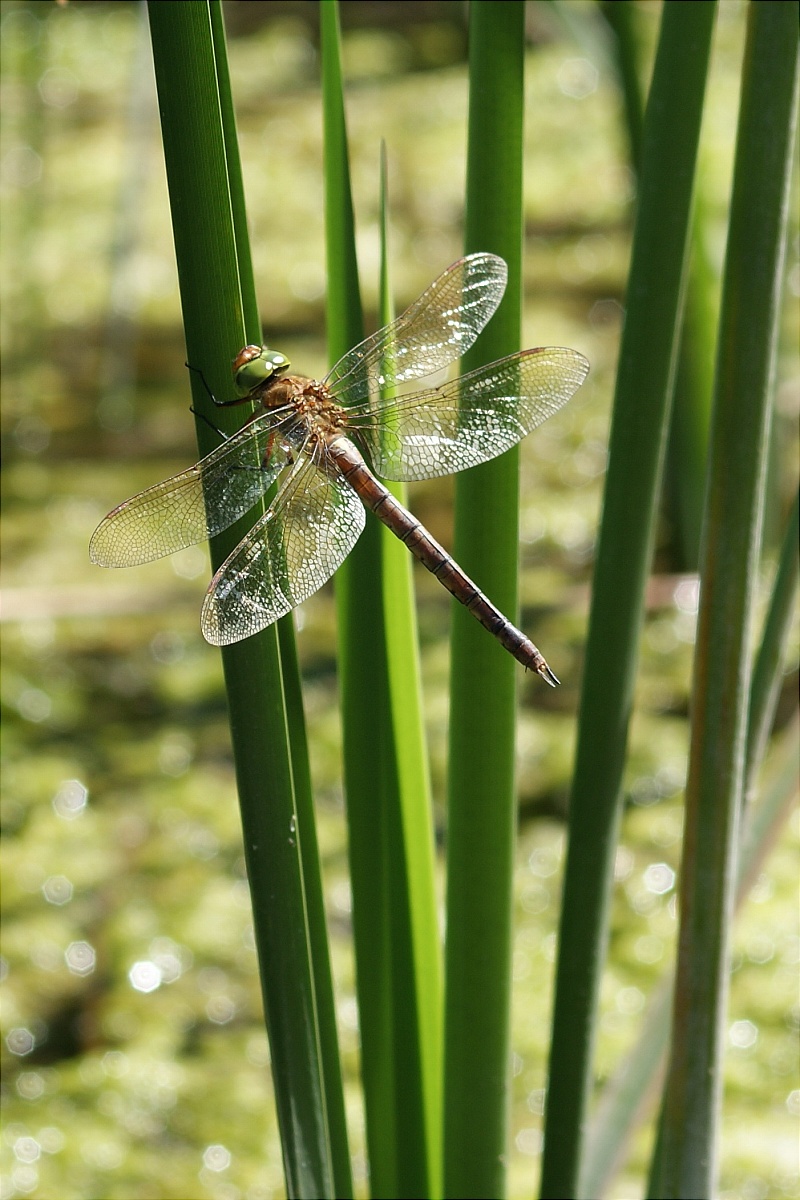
column 659, row 878
column 145, row 976
column 57, row 890
column 20, row 1041
column 217, row 1158
column 81, row 958
column 71, row 799
column 743, row 1035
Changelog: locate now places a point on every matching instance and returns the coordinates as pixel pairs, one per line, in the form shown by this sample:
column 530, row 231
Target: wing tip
column 100, row 552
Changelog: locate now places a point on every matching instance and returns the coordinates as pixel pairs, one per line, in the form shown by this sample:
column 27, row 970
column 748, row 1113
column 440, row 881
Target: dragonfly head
column 254, row 366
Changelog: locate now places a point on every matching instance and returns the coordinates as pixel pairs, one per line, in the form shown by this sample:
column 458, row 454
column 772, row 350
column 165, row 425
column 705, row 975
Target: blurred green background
column 135, row 1061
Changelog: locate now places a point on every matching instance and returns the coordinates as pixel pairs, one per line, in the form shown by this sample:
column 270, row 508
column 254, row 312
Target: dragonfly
column 333, row 439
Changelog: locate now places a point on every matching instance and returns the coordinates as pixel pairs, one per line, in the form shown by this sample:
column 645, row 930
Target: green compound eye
column 254, row 365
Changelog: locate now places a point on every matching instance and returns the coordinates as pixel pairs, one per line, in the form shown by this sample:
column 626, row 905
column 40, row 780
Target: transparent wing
column 197, row 503
column 436, row 329
column 306, row 533
column 468, row 420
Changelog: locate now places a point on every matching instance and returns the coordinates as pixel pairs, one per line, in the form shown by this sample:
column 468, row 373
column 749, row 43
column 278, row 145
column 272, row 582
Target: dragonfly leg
column 210, row 424
column 197, row 371
column 227, row 436
column 211, row 396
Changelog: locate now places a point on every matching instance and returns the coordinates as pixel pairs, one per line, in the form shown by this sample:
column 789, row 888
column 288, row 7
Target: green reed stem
column 641, row 408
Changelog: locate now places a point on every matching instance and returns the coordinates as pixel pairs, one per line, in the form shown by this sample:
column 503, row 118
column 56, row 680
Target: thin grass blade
column 631, row 1092
column 687, row 448
column 626, row 1096
column 767, row 672
column 415, row 947
column 687, row 1163
column 641, row 408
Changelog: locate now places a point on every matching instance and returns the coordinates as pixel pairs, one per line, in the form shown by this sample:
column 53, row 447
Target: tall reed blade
column 481, row 790
column 687, row 1164
column 203, row 177
column 389, row 817
column 641, row 409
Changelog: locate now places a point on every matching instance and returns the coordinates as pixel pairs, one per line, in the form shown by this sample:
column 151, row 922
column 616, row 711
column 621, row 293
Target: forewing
column 436, row 329
column 468, row 420
column 196, row 504
column 303, row 537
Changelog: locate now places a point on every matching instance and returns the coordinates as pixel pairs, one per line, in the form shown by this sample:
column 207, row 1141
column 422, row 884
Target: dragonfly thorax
column 312, row 403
